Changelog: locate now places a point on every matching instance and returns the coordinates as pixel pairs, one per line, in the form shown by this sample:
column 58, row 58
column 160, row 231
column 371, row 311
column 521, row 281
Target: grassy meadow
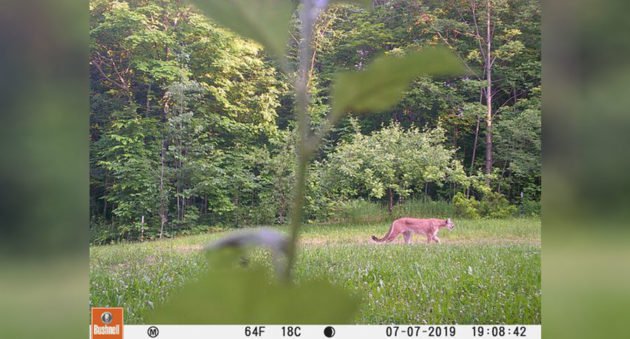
column 484, row 271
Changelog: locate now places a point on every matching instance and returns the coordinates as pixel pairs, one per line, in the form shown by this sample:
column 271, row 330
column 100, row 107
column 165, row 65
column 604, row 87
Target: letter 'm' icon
column 153, row 332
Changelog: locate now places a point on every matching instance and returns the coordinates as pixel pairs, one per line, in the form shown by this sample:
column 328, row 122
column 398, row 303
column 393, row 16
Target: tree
column 499, row 40
column 209, row 97
column 518, row 146
column 393, row 162
column 128, row 152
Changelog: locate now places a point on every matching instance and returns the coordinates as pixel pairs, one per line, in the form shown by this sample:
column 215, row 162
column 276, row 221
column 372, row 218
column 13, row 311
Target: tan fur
column 408, row 226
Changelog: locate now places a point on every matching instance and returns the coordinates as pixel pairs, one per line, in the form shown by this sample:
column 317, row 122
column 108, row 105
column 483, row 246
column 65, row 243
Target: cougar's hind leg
column 429, row 237
column 392, row 236
column 407, row 236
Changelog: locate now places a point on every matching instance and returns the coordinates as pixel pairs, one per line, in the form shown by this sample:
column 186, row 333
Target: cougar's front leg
column 407, row 236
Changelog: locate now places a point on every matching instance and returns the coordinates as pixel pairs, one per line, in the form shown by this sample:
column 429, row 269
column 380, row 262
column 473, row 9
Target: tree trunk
column 390, row 206
column 455, row 136
column 105, row 200
column 163, row 208
column 282, row 210
column 237, row 210
column 142, row 229
column 488, row 62
column 474, row 154
column 148, row 107
column 178, row 218
column 426, row 191
column 505, row 165
column 183, row 207
column 474, row 150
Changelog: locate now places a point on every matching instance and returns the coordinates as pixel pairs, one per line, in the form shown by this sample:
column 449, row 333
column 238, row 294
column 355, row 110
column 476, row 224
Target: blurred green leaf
column 235, row 295
column 383, row 82
column 265, row 21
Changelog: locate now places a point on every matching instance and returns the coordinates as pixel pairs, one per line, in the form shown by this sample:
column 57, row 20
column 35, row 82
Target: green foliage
column 191, row 215
column 196, row 105
column 518, row 145
column 223, row 109
column 515, row 70
column 389, row 161
column 359, row 212
column 138, row 277
column 280, row 178
column 466, row 207
column 265, row 21
column 102, row 236
column 128, row 153
column 382, row 84
column 493, row 205
column 362, row 3
column 530, row 208
column 232, row 295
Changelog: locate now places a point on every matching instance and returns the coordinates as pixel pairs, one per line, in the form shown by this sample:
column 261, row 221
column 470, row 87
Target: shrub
column 530, row 208
column 494, row 205
column 466, row 207
column 101, row 236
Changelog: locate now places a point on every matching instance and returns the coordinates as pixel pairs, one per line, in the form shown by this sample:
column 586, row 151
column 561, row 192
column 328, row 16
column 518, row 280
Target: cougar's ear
column 448, row 220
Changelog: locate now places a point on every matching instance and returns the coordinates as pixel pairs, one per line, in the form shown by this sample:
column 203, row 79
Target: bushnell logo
column 107, row 322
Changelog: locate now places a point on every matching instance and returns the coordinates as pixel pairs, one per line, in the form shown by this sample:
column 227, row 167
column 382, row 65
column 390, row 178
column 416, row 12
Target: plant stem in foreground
column 308, row 15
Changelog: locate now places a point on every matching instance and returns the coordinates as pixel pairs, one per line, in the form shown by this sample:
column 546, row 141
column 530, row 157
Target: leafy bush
column 190, row 216
column 493, row 205
column 102, row 236
column 466, row 207
column 530, row 207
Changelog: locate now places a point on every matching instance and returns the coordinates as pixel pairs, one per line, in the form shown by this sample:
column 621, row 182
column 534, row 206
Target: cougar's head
column 450, row 224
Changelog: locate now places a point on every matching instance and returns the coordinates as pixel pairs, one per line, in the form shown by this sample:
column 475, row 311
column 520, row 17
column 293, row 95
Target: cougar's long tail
column 386, row 236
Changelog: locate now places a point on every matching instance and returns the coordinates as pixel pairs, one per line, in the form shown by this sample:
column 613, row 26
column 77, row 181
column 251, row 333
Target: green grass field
column 484, row 272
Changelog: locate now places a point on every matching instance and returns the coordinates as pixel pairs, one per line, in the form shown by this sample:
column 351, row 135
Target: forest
column 193, row 127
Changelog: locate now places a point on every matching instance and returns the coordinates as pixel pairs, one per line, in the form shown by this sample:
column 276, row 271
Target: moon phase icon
column 329, row 331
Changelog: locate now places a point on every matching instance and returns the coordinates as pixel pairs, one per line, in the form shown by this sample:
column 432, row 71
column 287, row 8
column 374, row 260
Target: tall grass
column 466, row 284
column 484, row 271
column 368, row 212
column 423, row 209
